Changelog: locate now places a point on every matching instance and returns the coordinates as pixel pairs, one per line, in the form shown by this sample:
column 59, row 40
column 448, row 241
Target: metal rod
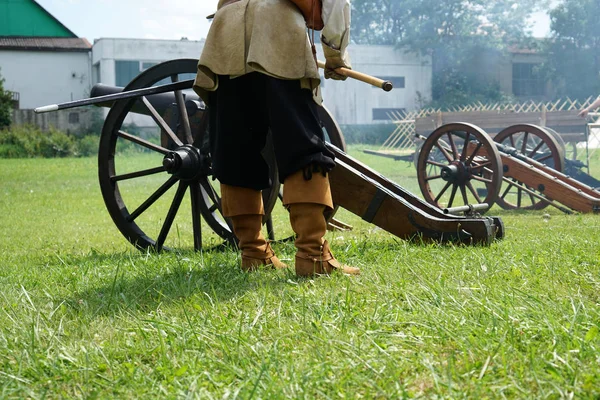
column 187, row 84
column 468, row 208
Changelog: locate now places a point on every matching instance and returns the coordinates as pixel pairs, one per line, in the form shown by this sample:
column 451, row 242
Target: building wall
column 354, row 102
column 76, row 121
column 43, row 78
column 106, row 52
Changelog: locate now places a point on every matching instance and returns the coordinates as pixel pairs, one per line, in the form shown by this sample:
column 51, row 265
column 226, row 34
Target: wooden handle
column 371, row 80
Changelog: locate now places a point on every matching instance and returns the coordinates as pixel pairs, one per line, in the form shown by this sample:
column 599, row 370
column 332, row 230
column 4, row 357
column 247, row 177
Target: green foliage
column 27, row 141
column 5, row 106
column 574, row 50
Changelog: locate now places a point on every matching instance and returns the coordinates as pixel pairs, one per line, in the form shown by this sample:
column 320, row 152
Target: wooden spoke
column 481, row 179
column 137, row 174
column 196, row 197
column 472, row 156
column 161, row 122
column 454, row 187
column 439, row 196
column 430, row 178
column 535, row 149
column 452, row 146
column 463, row 154
column 185, row 121
column 142, row 142
column 152, row 199
column 164, row 231
column 444, row 152
column 524, row 143
column 480, row 166
column 474, row 192
column 435, row 163
column 463, row 192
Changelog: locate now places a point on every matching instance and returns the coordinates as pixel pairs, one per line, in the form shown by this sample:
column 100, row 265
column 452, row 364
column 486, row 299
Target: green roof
column 26, row 18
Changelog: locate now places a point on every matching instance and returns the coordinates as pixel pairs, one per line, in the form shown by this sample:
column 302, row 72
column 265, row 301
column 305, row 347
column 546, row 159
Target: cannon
column 521, row 168
column 179, row 166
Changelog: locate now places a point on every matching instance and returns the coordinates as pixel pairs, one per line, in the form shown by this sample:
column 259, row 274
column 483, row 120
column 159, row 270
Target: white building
column 354, row 102
column 116, row 62
column 45, row 70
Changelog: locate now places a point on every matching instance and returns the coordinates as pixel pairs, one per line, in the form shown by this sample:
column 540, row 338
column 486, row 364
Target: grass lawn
column 85, row 315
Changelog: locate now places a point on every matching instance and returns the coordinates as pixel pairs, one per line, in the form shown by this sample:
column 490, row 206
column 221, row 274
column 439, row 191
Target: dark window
column 73, row 118
column 527, row 81
column 147, row 65
column 385, row 114
column 397, row 81
column 125, row 71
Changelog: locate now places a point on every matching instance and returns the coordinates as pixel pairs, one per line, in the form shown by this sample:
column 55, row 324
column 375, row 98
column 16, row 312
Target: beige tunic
column 270, row 37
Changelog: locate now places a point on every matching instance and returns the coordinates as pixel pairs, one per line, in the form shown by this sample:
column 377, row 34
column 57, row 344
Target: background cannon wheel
column 458, row 165
column 538, row 144
column 145, row 201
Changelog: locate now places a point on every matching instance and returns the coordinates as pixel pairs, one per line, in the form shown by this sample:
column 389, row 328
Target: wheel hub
column 455, row 172
column 186, row 162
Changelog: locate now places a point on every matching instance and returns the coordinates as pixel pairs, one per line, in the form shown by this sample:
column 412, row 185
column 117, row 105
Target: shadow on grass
column 145, row 281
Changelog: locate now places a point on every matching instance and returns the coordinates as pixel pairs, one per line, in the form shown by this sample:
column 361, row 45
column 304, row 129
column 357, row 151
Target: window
column 397, row 81
column 385, row 114
column 527, row 81
column 125, row 71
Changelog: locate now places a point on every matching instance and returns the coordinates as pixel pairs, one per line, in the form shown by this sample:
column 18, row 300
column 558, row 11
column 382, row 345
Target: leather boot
column 245, row 208
column 307, row 200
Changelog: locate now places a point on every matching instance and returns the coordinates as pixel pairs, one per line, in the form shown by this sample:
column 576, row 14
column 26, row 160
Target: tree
column 5, row 106
column 574, row 49
column 457, row 34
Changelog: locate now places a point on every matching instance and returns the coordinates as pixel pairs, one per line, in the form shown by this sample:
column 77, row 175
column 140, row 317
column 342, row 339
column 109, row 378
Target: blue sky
column 150, row 19
column 154, row 19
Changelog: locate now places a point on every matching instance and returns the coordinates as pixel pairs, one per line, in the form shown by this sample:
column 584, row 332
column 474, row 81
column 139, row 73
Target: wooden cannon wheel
column 459, row 165
column 148, row 202
column 540, row 145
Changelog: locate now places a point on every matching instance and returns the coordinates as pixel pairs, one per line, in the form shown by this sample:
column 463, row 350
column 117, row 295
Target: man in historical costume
column 257, row 72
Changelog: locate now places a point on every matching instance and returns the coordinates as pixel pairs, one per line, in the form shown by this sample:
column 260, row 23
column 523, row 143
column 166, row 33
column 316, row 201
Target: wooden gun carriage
column 520, row 168
column 179, row 167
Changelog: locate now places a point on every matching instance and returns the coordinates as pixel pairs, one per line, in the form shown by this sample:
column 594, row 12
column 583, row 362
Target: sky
column 145, row 19
column 155, row 19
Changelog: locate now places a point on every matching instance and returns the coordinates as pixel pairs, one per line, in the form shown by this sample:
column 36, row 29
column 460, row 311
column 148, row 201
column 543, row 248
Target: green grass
column 84, row 315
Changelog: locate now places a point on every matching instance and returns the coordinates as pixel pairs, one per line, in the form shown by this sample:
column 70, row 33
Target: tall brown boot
column 306, row 201
column 245, row 208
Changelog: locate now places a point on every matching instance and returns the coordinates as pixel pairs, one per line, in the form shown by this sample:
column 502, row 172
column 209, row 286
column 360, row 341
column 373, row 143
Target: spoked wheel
column 538, row 144
column 146, row 194
column 459, row 165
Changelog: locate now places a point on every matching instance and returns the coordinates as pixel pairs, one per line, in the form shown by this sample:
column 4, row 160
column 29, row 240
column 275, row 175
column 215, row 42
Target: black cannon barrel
column 160, row 102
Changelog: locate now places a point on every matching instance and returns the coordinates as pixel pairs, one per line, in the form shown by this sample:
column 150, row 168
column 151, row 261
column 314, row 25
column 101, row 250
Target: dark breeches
column 243, row 110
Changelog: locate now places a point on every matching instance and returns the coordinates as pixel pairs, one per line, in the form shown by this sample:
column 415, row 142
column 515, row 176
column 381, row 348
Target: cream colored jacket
column 270, row 37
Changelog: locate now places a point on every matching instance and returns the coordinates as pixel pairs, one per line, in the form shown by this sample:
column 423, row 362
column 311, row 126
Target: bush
column 30, row 141
column 87, row 145
column 5, row 106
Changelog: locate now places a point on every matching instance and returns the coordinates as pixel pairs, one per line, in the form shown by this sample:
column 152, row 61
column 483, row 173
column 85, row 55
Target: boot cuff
column 236, row 200
column 296, row 189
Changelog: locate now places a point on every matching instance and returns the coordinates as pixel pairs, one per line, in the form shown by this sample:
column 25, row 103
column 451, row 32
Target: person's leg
column 303, row 162
column 238, row 130
column 245, row 209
